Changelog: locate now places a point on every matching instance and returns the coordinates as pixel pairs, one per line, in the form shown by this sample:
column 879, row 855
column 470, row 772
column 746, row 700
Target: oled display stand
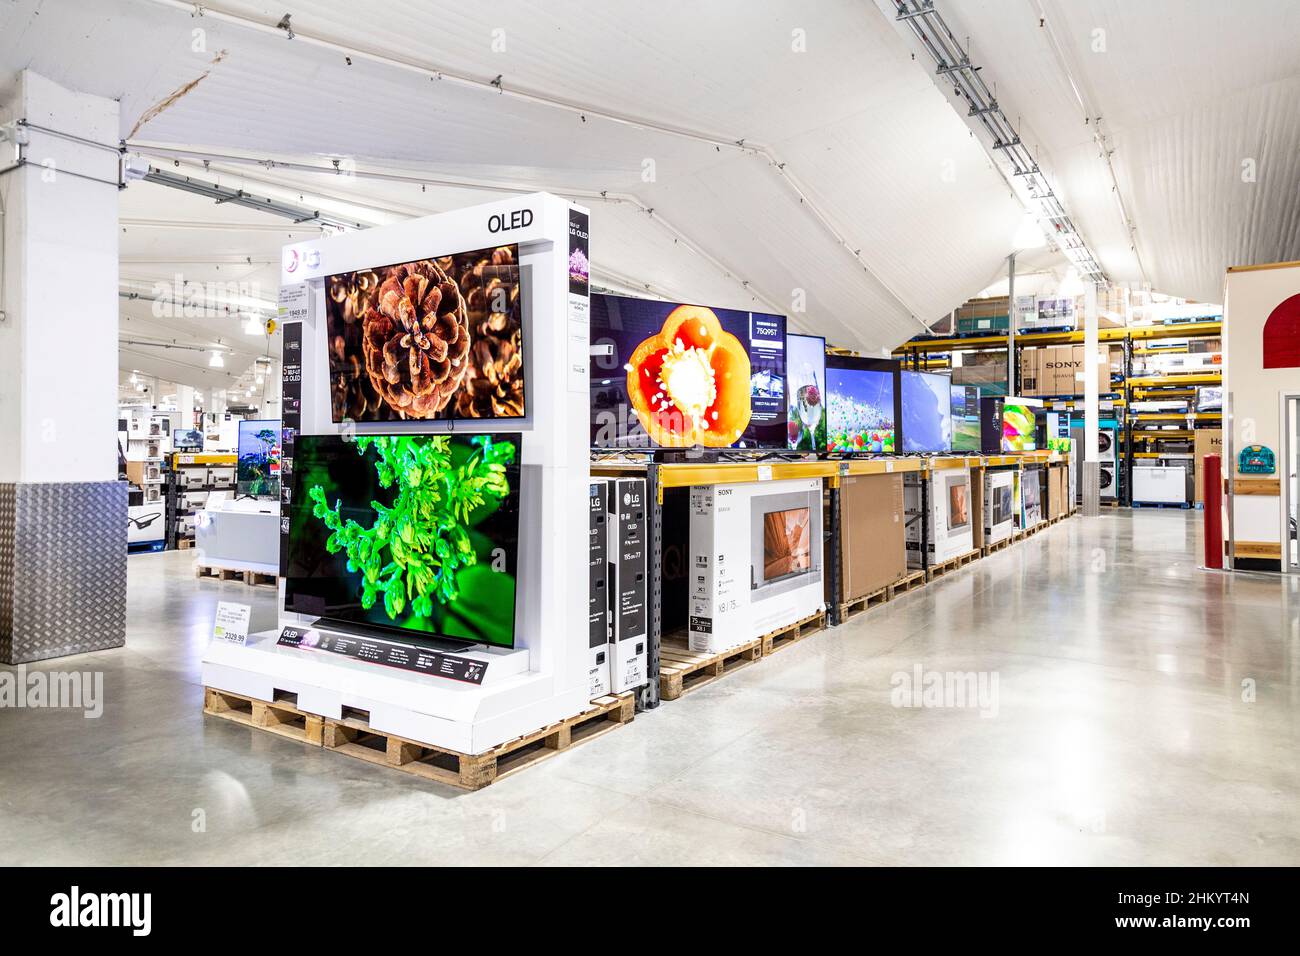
column 544, row 678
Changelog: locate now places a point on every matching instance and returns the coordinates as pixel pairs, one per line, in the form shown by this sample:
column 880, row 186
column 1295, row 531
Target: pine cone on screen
column 416, row 339
column 495, row 385
column 351, row 394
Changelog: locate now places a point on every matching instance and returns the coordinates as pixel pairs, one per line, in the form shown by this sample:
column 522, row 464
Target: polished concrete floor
column 1146, row 712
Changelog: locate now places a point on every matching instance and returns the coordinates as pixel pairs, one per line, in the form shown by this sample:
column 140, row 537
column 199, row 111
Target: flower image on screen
column 417, row 533
column 927, row 412
column 669, row 375
column 860, row 410
column 1018, row 427
column 965, row 418
column 805, row 373
column 257, row 466
column 434, row 338
column 787, row 543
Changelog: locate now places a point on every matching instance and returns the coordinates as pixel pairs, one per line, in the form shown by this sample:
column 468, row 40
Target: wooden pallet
column 682, row 669
column 280, row 716
column 354, row 736
column 783, row 637
column 1002, row 545
column 251, row 578
column 952, row 564
column 910, row 582
column 865, row 603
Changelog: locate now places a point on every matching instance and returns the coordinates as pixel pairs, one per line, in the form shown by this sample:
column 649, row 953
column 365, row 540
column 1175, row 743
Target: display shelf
column 987, row 342
column 1177, row 416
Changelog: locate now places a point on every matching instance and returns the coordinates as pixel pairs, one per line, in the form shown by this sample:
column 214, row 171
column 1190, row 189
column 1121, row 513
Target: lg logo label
column 502, row 222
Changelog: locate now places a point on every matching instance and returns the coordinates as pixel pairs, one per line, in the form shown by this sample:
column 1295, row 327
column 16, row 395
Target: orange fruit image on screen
column 689, row 384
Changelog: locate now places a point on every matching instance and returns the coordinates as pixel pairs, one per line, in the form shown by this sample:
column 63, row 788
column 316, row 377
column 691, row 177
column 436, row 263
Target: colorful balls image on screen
column 1017, row 428
column 860, row 411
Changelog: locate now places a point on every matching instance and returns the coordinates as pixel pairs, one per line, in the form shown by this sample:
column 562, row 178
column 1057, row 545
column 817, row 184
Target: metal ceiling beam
column 239, row 197
column 954, row 64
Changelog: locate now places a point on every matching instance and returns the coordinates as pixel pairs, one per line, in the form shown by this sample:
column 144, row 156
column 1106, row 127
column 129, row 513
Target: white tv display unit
column 544, row 677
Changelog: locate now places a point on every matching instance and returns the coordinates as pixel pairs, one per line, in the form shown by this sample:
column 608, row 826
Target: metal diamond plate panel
column 62, row 569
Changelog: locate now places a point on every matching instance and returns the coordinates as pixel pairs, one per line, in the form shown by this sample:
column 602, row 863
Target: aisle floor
column 1146, row 712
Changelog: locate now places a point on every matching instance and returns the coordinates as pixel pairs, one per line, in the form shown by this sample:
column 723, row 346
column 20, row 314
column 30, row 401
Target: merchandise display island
column 438, row 373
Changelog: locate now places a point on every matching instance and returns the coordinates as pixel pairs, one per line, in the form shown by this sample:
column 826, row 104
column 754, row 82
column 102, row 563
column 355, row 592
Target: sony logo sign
column 503, row 221
column 1063, row 364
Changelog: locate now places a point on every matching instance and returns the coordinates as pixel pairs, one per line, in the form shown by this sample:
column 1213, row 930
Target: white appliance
column 1108, row 454
column 1160, row 484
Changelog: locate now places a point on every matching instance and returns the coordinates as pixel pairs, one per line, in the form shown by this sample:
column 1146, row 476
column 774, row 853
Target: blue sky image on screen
column 927, row 412
column 860, row 410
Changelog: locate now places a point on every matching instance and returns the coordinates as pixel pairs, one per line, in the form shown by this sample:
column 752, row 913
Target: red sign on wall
column 1282, row 335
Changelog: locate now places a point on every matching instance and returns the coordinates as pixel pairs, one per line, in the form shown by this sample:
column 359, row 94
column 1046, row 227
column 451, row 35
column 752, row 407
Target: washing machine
column 1107, row 453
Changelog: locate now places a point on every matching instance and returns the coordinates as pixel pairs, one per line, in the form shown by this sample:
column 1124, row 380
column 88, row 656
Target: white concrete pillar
column 58, row 376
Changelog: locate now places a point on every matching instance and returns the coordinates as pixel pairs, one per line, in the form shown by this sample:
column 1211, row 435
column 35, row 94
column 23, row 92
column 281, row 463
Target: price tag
column 231, row 624
column 764, row 472
column 889, row 467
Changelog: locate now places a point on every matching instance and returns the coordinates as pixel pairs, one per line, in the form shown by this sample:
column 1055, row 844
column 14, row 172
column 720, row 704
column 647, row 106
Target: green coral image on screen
column 417, row 532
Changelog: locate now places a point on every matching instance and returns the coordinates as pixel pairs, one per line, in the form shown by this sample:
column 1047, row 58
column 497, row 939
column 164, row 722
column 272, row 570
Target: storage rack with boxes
column 194, row 477
column 1139, row 437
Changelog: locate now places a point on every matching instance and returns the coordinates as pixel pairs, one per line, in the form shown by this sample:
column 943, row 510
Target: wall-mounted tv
column 413, row 533
column 927, row 412
column 667, row 375
column 257, row 465
column 805, row 389
column 862, row 405
column 430, row 339
column 965, row 404
column 187, row 439
column 1019, row 427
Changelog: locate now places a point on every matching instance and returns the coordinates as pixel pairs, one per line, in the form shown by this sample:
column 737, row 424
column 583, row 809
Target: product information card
column 409, row 657
column 231, row 625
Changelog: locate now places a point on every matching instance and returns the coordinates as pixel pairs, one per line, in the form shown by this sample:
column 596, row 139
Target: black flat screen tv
column 257, row 465
column 863, row 405
column 670, row 375
column 434, row 338
column 417, row 534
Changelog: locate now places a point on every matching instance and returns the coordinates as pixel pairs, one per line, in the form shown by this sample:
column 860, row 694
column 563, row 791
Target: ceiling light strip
column 954, row 64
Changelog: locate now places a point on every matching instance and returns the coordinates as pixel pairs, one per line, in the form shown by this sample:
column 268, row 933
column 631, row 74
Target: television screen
column 958, row 503
column 257, row 467
column 675, row 376
column 861, row 404
column 434, row 338
column 187, row 439
column 805, row 379
column 787, row 543
column 965, row 405
column 1209, row 398
column 1002, row 511
column 1018, row 427
column 416, row 533
column 927, row 412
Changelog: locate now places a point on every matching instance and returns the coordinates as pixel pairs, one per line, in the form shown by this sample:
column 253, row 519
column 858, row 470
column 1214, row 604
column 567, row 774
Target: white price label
column 764, row 472
column 231, row 624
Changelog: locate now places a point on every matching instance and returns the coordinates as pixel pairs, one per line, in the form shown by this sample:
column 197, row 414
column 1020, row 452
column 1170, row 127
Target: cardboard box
column 756, row 560
column 949, row 531
column 1209, row 441
column 626, row 560
column 872, row 550
column 598, row 649
column 1058, row 370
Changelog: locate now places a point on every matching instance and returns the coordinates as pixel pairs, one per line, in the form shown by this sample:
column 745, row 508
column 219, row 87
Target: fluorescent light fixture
column 216, row 361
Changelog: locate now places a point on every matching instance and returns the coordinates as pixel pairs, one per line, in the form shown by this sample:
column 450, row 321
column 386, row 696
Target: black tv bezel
column 860, row 364
column 784, row 443
column 426, row 638
column 525, row 355
column 925, row 451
